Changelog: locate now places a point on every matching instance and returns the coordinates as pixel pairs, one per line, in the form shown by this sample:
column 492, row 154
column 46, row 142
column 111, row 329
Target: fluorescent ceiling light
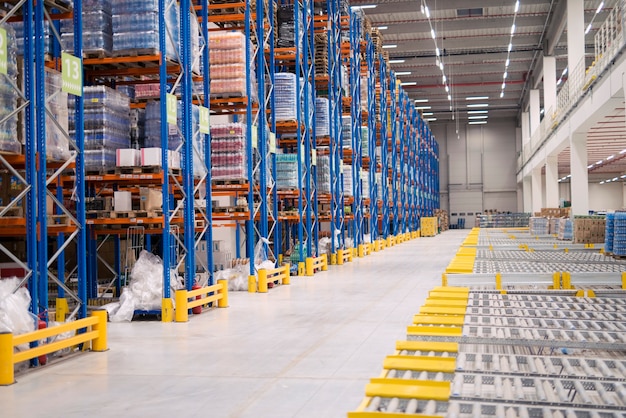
column 516, row 6
column 427, row 114
column 409, row 83
column 396, row 61
column 477, row 122
column 610, row 157
column 478, row 117
column 403, row 73
column 382, row 27
column 478, row 105
column 430, row 119
column 477, row 98
column 477, row 111
column 423, row 107
column 426, row 101
column 390, row 46
column 365, row 6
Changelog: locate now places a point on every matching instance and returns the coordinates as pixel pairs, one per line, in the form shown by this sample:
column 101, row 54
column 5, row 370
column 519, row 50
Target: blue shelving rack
column 335, row 97
column 355, row 110
column 372, row 133
column 384, row 147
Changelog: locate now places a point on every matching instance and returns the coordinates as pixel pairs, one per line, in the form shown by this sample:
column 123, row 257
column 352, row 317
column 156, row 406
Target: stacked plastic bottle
column 609, row 232
column 8, row 99
column 19, row 37
column 365, row 141
column 323, row 174
column 107, row 125
column 619, row 234
column 538, row 226
column 97, row 29
column 566, row 229
column 228, row 64
column 285, row 97
column 136, row 27
column 322, row 120
column 228, row 151
column 346, row 131
column 286, row 171
column 347, row 180
column 57, row 117
column 153, row 125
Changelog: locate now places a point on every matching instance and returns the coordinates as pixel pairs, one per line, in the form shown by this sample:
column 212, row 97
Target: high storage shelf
column 402, row 158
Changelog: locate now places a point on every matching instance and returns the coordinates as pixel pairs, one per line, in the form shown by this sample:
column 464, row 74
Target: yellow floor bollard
column 100, row 343
column 262, row 281
column 7, row 376
column 223, row 301
column 182, row 311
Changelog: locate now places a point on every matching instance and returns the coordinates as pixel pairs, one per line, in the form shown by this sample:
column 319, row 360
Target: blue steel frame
column 371, row 124
column 355, row 108
column 394, row 154
column 335, row 103
column 384, row 146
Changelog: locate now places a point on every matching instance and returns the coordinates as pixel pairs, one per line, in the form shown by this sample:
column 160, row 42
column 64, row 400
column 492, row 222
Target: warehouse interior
column 237, row 207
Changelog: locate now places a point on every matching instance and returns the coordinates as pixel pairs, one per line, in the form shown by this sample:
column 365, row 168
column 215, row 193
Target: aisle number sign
column 204, row 120
column 72, row 74
column 171, row 102
column 4, row 63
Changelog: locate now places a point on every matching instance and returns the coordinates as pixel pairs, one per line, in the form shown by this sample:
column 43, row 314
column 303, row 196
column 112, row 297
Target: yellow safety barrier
column 316, row 263
column 280, row 274
column 95, row 331
column 216, row 293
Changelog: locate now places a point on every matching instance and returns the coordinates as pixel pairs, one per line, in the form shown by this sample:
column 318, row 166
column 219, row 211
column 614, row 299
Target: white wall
column 478, row 168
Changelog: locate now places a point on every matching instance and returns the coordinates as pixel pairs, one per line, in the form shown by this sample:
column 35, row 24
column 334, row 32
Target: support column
column 549, row 85
column 535, row 112
column 579, row 185
column 575, row 37
column 537, row 191
column 527, row 194
column 552, row 182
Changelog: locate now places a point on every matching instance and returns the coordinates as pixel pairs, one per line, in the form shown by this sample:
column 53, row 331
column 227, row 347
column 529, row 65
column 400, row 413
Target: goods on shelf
column 8, row 99
column 285, row 97
column 287, row 27
column 619, row 237
column 322, row 120
column 609, row 234
column 106, row 125
column 136, row 27
column 347, row 180
column 323, row 174
column 538, row 226
column 57, row 118
column 228, row 151
column 228, row 64
column 346, row 131
column 589, row 229
column 97, row 32
column 286, row 171
column 566, row 229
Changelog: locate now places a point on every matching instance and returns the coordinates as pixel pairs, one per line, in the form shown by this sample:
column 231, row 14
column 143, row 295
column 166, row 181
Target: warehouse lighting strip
column 508, row 53
column 439, row 59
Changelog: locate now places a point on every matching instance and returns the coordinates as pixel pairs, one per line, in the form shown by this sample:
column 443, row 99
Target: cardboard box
column 123, row 201
column 150, row 199
column 127, row 157
column 151, row 157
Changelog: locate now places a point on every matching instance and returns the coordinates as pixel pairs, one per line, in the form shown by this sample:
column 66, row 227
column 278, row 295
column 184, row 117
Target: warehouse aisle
column 304, row 350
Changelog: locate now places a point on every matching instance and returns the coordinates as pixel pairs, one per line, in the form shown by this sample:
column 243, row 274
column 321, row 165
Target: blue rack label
column 4, row 66
column 204, row 120
column 171, row 102
column 72, row 74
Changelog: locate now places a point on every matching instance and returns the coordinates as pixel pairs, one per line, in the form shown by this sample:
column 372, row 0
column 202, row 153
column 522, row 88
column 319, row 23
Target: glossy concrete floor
column 304, row 350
